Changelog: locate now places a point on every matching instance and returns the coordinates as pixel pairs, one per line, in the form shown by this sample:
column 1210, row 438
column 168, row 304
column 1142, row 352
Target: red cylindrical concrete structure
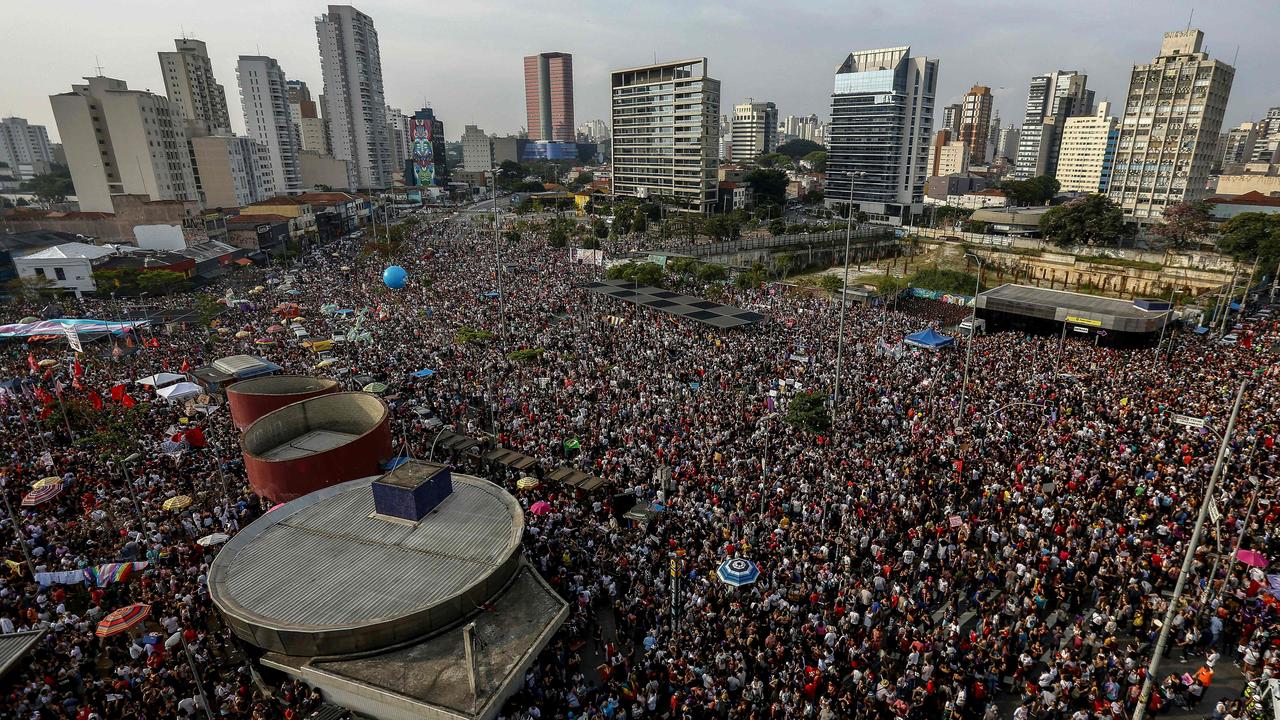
column 315, row 443
column 251, row 399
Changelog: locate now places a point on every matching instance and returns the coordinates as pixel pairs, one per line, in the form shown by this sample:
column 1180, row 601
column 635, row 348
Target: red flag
column 96, row 399
column 128, row 341
column 44, row 397
column 186, row 366
column 117, row 393
column 127, row 401
column 48, row 374
column 75, row 383
column 31, row 362
column 76, row 369
column 153, row 342
column 46, row 413
column 195, row 437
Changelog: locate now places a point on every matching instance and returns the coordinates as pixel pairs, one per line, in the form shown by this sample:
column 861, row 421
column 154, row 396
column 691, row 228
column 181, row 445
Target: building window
column 39, row 272
column 60, row 273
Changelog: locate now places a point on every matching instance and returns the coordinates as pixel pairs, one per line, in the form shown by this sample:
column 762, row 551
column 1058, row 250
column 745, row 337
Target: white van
column 971, row 326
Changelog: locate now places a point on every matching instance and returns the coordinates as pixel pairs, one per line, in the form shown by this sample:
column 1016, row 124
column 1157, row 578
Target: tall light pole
column 1148, row 684
column 973, row 331
column 844, row 297
column 497, row 262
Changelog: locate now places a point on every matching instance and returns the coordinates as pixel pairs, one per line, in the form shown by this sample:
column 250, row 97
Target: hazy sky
column 464, row 57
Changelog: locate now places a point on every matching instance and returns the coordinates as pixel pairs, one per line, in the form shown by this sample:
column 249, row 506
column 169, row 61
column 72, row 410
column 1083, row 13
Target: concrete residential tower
column 355, row 107
column 264, row 94
column 1051, row 99
column 306, row 116
column 1086, row 154
column 190, row 85
column 754, row 130
column 880, row 132
column 1169, row 133
column 119, row 140
column 975, row 122
column 548, row 96
column 24, row 148
column 666, row 132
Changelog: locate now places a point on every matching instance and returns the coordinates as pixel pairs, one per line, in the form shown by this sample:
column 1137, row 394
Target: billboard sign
column 423, row 153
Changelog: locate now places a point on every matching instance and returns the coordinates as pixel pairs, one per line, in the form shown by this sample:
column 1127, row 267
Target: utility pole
column 844, row 299
column 1148, row 684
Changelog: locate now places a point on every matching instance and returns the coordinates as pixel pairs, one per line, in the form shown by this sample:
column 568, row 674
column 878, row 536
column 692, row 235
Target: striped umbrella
column 46, row 481
column 41, row 494
column 126, row 618
column 177, row 502
column 527, row 483
column 738, row 572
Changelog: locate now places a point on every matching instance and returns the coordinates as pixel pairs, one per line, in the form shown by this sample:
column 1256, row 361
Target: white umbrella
column 181, row 391
column 161, row 379
column 214, row 539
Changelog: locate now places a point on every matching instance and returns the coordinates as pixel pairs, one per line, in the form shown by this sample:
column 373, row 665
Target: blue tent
column 425, row 372
column 929, row 340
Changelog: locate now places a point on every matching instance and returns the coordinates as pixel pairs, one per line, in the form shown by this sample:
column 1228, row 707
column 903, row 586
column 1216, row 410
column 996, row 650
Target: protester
column 1010, row 561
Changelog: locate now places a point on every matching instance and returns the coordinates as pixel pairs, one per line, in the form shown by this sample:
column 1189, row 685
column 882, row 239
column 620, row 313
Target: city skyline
column 487, row 89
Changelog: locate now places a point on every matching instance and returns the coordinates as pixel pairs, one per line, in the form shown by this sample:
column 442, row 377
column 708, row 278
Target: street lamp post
column 844, row 297
column 497, row 260
column 1148, row 684
column 764, row 464
column 432, row 455
column 973, row 322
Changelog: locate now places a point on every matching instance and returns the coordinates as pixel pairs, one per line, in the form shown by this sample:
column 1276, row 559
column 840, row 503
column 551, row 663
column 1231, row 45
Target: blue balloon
column 395, row 277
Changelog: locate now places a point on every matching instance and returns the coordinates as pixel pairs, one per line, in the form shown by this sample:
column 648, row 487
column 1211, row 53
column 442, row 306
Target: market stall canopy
column 181, row 391
column 929, row 339
column 160, row 380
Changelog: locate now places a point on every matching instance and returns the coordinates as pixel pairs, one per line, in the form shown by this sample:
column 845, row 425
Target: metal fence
column 775, row 242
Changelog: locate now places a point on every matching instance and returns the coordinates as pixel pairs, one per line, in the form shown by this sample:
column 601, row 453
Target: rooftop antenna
column 1235, row 57
column 1191, row 17
column 182, row 31
column 98, row 65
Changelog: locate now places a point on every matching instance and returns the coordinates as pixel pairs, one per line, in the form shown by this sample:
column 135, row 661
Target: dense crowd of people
column 1011, row 558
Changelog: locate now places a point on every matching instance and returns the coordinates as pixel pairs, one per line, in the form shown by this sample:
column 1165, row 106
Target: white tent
column 181, row 391
column 159, row 380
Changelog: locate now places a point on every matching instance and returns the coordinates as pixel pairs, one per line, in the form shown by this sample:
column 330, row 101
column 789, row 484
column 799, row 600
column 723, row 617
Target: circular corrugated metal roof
column 324, row 576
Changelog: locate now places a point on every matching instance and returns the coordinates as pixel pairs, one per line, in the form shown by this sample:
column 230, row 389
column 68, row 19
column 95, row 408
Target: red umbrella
column 126, row 618
column 542, row 507
column 41, row 494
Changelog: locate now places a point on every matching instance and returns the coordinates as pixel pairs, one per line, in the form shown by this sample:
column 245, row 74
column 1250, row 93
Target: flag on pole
column 96, row 400
column 77, row 370
column 31, row 362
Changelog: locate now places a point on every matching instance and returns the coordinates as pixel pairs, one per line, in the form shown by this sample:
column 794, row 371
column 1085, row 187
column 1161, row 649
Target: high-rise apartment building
column 398, row 127
column 230, row 171
column 1169, row 132
column 754, row 130
column 264, row 96
column 25, row 148
column 306, row 117
column 426, row 165
column 975, row 121
column 594, row 131
column 1008, row 146
column 1087, row 151
column 355, row 107
column 119, row 140
column 190, row 85
column 879, row 137
column 951, row 115
column 1051, row 99
column 666, row 130
column 1267, row 147
column 548, row 96
column 1238, row 144
column 477, row 150
column 993, row 138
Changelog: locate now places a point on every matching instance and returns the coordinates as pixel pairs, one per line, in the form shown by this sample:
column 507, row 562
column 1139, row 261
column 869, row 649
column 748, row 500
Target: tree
column 50, row 189
column 640, row 223
column 816, row 160
column 831, row 283
column 557, row 237
column 1252, row 236
column 777, row 226
column 123, row 282
column 1090, row 220
column 30, row 288
column 160, row 282
column 711, row 272
column 600, row 229
column 796, row 149
column 1036, row 191
column 808, row 411
column 1184, row 224
column 769, row 186
column 773, row 160
column 639, row 273
column 208, row 308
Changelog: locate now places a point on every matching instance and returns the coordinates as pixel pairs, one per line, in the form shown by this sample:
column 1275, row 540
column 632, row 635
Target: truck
column 971, row 326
